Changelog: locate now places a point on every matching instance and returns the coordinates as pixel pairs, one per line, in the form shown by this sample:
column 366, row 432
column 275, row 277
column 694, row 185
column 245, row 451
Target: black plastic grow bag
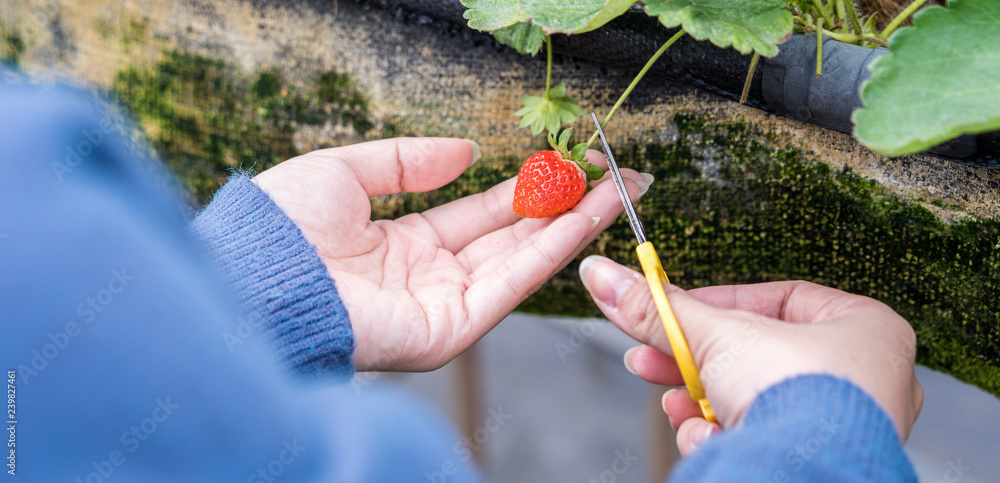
column 785, row 84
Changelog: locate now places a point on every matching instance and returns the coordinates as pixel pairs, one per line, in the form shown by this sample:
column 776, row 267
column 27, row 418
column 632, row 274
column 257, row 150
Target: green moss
column 729, row 208
column 12, row 47
column 206, row 117
column 133, row 33
column 342, row 91
column 105, row 28
column 267, row 85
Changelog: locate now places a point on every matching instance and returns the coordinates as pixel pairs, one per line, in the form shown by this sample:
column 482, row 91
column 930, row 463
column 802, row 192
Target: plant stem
column 548, row 72
column 819, row 48
column 896, row 22
column 853, row 15
column 822, row 10
column 853, row 39
column 638, row 77
column 842, row 37
column 808, row 26
column 746, row 84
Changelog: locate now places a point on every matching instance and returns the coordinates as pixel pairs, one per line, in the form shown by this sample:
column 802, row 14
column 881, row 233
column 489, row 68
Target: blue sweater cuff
column 808, row 428
column 281, row 280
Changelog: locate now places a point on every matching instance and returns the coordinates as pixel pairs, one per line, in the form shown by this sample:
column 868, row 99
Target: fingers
column 495, row 292
column 487, row 251
column 460, row 222
column 403, row 164
column 792, row 301
column 653, row 366
column 918, row 405
column 693, row 433
column 679, row 406
column 623, row 296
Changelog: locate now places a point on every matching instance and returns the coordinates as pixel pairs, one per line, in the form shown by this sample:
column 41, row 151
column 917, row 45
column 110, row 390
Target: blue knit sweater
column 280, row 279
column 137, row 357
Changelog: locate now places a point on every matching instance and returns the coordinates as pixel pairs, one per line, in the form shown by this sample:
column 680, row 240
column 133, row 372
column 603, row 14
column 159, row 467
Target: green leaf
column 541, row 114
column 558, row 91
column 612, row 10
column 593, row 171
column 573, row 16
column 524, row 37
column 747, row 25
column 493, row 14
column 941, row 80
column 564, row 137
column 870, row 25
column 579, row 152
column 568, row 108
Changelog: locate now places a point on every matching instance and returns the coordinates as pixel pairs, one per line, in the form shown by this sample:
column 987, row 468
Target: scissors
column 656, row 277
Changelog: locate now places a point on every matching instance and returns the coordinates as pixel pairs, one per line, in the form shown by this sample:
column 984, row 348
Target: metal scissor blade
column 616, row 175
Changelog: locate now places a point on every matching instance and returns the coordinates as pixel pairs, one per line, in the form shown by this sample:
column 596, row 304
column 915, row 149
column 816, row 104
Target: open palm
column 423, row 288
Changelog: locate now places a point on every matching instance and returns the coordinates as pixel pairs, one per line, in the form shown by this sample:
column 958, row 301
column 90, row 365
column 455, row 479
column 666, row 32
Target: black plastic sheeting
column 785, row 84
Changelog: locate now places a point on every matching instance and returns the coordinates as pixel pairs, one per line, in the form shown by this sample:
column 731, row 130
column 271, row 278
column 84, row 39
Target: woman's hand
column 748, row 338
column 423, row 288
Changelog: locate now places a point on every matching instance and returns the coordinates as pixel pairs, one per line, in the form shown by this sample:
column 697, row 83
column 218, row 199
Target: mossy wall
column 206, row 117
column 740, row 196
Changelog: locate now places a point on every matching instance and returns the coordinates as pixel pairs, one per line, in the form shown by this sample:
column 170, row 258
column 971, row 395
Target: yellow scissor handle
column 656, row 277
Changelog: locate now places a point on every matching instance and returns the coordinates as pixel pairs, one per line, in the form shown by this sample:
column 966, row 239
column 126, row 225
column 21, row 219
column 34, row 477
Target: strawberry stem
column 854, row 39
column 548, row 71
column 855, row 23
column 638, row 77
column 749, row 79
column 896, row 22
column 819, row 48
column 822, row 11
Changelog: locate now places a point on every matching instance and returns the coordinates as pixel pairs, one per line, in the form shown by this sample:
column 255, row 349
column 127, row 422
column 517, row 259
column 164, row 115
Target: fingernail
column 647, row 180
column 663, row 401
column 475, row 151
column 699, row 436
column 671, row 288
column 628, row 359
column 666, row 396
column 605, row 280
column 597, row 219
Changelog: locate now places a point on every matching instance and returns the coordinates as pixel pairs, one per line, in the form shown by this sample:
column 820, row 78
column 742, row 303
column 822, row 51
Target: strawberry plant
column 940, row 79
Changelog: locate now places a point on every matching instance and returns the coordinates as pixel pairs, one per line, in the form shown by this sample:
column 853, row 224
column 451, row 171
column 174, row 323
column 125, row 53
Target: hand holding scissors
column 656, row 277
column 749, row 338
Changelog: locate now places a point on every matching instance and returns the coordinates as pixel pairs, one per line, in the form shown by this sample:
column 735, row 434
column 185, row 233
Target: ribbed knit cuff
column 808, row 428
column 833, row 415
column 279, row 277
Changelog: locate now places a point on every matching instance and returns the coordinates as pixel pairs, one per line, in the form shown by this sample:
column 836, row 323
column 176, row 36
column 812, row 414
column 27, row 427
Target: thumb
column 693, row 432
column 711, row 332
column 623, row 296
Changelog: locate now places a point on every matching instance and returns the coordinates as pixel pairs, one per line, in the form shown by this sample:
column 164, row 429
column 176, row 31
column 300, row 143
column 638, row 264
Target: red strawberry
column 548, row 185
column 553, row 182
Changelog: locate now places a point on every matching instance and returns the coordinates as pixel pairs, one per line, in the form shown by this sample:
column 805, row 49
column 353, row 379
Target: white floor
column 574, row 409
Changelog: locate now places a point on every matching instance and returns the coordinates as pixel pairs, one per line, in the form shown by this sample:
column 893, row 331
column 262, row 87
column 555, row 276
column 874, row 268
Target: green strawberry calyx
column 577, row 154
